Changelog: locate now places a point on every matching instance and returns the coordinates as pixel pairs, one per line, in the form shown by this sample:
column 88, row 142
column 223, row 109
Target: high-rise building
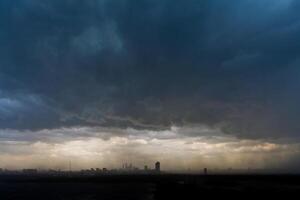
column 157, row 166
column 205, row 171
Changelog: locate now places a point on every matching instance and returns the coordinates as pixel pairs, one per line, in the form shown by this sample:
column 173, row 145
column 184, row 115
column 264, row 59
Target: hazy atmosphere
column 193, row 84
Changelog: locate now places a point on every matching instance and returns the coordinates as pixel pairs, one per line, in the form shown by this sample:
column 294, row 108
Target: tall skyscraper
column 157, row 166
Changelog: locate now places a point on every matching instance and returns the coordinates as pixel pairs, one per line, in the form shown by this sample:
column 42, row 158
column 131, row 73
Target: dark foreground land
column 148, row 187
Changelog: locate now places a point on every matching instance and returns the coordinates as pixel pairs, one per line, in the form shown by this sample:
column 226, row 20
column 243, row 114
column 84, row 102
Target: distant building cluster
column 131, row 168
column 30, row 171
column 125, row 169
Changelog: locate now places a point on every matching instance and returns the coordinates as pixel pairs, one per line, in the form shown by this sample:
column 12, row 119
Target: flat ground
column 147, row 187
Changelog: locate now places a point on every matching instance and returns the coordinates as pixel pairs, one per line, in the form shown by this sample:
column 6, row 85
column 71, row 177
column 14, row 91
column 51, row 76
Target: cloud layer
column 151, row 65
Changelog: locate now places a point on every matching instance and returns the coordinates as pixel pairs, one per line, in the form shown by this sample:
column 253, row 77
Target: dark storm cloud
column 151, row 64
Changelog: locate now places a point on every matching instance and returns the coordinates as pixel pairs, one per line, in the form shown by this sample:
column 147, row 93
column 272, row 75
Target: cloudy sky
column 196, row 83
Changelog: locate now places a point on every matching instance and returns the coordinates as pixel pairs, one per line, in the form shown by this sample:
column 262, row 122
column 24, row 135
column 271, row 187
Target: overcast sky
column 207, row 82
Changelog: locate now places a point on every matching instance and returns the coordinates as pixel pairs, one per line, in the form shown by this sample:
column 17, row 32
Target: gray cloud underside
column 151, row 64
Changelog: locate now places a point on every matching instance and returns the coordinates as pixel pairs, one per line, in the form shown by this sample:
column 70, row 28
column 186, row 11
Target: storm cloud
column 151, row 65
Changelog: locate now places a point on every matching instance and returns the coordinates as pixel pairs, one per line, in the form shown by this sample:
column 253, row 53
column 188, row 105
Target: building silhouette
column 30, row 171
column 157, row 166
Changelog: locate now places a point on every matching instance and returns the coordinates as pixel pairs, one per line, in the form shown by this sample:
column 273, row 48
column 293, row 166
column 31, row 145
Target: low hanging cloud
column 192, row 153
column 151, row 65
